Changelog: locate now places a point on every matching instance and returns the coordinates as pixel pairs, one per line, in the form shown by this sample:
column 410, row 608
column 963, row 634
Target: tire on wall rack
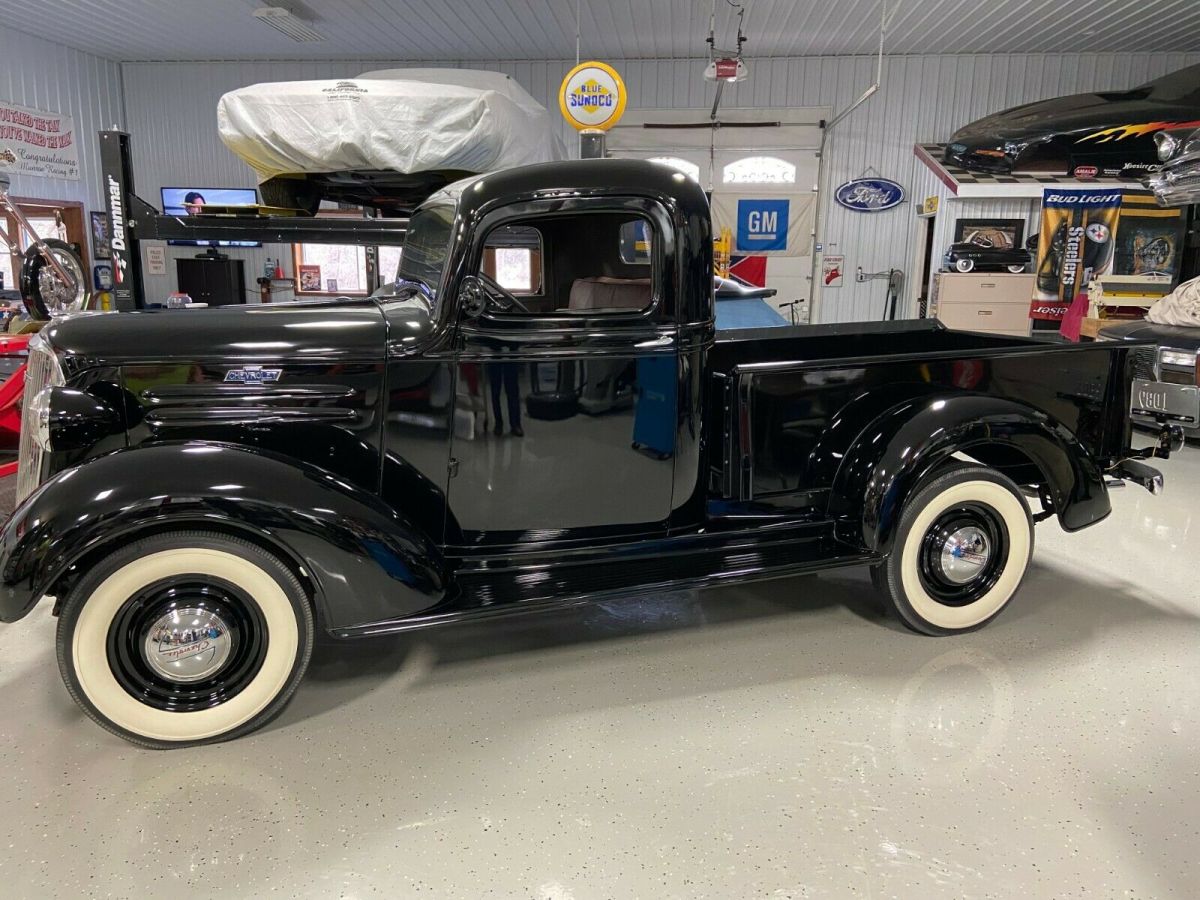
column 185, row 638
column 962, row 548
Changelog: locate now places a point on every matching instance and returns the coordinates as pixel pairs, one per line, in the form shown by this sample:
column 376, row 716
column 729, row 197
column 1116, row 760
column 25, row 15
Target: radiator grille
column 1144, row 363
column 41, row 369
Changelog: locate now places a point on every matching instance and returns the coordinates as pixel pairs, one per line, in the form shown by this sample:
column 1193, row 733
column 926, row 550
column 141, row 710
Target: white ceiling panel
column 618, row 29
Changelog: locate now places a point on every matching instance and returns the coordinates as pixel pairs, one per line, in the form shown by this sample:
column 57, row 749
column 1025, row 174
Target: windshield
column 426, row 246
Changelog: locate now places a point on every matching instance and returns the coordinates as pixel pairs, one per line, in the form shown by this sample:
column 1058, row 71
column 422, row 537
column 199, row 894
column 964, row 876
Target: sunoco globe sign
column 592, row 96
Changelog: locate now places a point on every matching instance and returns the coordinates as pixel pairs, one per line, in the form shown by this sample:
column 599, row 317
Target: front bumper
column 979, row 158
column 1178, row 182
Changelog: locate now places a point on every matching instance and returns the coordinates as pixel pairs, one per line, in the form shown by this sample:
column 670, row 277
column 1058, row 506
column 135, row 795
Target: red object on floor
column 7, row 469
column 751, row 269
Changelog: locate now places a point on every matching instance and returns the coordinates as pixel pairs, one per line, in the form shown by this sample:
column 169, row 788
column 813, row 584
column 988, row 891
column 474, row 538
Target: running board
column 482, row 595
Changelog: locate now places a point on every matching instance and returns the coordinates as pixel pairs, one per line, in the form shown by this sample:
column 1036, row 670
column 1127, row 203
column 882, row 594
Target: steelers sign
column 592, row 96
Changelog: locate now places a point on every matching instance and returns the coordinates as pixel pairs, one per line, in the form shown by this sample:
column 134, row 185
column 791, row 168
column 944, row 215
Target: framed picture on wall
column 1002, row 234
column 101, row 245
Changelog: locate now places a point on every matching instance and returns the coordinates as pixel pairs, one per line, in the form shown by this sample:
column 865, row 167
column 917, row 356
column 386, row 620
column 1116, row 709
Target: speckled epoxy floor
column 777, row 741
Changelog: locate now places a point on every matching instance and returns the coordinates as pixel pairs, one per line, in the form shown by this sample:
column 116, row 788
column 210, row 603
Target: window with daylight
column 389, row 264
column 513, row 257
column 687, row 167
column 330, row 269
column 759, row 170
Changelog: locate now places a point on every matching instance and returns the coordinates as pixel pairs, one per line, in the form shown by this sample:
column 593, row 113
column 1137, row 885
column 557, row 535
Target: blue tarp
column 750, row 313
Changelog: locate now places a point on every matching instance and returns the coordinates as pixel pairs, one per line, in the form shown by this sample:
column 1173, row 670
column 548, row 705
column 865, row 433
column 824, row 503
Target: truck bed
column 857, row 340
column 788, row 403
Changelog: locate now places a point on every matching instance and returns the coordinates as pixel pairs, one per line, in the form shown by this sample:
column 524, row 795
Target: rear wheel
column 962, row 548
column 1016, row 270
column 185, row 638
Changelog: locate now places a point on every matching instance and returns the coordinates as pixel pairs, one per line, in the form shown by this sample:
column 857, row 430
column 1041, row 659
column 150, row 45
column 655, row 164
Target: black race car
column 1109, row 133
column 969, row 256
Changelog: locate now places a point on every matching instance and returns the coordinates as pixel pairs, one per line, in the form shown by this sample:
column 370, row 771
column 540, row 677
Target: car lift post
column 117, row 172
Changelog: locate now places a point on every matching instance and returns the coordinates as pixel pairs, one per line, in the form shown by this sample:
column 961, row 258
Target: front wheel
column 185, row 638
column 962, row 548
column 44, row 293
column 964, row 265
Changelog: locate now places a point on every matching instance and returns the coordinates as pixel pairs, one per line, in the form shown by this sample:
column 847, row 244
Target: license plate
column 1172, row 402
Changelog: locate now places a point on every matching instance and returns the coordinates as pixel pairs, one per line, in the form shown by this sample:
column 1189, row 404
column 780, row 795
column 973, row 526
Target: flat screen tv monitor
column 190, row 201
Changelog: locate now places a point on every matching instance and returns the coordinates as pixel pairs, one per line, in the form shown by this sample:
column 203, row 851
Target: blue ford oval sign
column 869, row 194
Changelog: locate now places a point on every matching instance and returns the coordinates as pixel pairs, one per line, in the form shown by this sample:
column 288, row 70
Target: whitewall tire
column 185, row 638
column 962, row 548
column 964, row 265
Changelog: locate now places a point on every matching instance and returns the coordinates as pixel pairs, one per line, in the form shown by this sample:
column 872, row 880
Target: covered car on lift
column 387, row 138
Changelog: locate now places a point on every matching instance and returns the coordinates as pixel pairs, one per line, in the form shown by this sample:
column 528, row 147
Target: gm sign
column 762, row 226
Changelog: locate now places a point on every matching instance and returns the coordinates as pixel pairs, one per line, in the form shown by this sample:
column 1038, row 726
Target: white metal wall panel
column 171, row 109
column 49, row 76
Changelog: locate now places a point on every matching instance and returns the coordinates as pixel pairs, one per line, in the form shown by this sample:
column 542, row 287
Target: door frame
column 574, row 337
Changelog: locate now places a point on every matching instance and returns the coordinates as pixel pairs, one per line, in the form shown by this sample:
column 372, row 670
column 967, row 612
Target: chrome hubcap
column 964, row 555
column 188, row 644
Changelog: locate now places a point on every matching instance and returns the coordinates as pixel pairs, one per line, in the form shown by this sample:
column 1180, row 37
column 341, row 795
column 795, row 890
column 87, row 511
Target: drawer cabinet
column 995, row 303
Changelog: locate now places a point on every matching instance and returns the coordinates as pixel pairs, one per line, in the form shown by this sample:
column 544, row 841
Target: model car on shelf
column 1107, row 133
column 199, row 502
column 968, row 256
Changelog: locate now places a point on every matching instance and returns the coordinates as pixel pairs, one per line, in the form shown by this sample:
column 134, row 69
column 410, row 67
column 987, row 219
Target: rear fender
column 900, row 448
column 365, row 561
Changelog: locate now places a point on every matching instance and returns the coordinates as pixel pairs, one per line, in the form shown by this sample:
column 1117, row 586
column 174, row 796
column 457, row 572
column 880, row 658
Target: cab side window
column 587, row 264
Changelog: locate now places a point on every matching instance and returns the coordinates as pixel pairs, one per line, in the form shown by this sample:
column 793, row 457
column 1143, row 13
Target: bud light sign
column 762, row 225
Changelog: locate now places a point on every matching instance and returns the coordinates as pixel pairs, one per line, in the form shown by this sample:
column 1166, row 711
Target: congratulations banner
column 36, row 142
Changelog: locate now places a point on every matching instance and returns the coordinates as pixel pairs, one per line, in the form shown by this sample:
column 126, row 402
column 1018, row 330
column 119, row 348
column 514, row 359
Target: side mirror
column 472, row 296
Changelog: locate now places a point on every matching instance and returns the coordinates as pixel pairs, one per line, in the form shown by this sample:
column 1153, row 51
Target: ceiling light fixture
column 286, row 22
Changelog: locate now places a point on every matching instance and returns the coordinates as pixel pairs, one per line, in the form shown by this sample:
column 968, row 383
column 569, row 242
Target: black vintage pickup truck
column 202, row 491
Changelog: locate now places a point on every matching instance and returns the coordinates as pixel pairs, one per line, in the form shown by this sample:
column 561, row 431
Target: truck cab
column 538, row 411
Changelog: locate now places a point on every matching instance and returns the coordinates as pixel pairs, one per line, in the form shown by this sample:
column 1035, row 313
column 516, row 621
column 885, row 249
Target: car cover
column 406, row 120
column 1180, row 307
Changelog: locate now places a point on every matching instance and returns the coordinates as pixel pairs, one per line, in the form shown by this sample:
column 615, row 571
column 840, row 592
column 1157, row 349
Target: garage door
column 761, row 170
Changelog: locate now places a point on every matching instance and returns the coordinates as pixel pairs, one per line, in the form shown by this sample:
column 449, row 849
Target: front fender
column 366, row 561
column 902, row 446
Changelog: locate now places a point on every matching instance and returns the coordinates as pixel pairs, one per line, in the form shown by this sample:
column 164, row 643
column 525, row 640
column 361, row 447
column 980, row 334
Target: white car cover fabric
column 1180, row 307
column 407, row 120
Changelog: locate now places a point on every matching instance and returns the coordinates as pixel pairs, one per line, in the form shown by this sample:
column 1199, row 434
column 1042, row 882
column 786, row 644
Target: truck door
column 567, row 380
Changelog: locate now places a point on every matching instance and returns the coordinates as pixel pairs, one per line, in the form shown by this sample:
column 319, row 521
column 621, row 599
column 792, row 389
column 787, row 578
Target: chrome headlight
column 1167, row 144
column 39, row 417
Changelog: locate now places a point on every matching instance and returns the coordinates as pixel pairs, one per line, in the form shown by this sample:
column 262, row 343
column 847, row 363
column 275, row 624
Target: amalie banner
column 36, row 142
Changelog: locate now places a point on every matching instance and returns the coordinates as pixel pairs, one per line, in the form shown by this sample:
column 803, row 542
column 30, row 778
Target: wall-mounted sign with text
column 36, row 142
column 869, row 194
column 592, row 96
